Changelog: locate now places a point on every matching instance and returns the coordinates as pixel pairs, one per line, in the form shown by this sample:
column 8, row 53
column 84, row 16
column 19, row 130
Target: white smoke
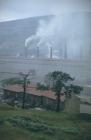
column 17, row 55
column 49, row 34
column 31, row 40
column 65, row 29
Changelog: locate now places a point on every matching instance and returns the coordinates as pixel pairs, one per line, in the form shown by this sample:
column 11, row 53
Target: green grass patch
column 18, row 124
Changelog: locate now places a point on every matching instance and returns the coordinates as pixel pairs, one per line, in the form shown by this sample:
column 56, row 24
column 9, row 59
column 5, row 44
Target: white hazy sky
column 17, row 9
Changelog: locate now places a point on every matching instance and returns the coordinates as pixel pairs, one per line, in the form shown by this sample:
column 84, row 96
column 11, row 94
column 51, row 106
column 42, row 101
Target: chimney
column 65, row 50
column 37, row 52
column 25, row 52
column 51, row 52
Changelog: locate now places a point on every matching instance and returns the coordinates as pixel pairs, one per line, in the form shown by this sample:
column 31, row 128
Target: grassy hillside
column 18, row 124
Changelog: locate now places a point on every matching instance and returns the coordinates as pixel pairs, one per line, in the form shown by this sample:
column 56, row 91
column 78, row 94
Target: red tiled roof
column 31, row 89
column 14, row 88
column 49, row 94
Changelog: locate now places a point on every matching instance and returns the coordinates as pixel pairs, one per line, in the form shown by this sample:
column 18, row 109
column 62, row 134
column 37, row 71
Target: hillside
column 14, row 33
column 17, row 124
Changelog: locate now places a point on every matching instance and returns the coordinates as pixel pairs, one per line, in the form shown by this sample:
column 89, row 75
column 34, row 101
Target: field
column 18, row 124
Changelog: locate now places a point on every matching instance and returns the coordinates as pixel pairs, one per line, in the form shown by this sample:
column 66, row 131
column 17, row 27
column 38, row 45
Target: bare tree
column 23, row 80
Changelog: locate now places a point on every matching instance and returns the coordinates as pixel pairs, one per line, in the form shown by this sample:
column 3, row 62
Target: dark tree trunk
column 24, row 93
column 58, row 102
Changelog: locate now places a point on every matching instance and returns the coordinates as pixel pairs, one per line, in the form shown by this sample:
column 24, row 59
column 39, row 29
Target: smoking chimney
column 65, row 50
column 37, row 52
column 50, row 52
column 26, row 52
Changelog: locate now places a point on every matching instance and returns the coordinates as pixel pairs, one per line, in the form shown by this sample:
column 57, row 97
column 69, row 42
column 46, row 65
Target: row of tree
column 57, row 81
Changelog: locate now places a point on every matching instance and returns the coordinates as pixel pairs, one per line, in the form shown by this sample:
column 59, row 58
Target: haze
column 18, row 9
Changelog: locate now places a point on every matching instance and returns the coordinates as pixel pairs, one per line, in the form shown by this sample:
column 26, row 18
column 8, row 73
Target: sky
column 18, row 9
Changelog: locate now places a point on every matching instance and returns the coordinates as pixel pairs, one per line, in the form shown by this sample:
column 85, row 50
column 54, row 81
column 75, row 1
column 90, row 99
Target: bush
column 84, row 117
column 71, row 130
column 30, row 124
column 1, row 121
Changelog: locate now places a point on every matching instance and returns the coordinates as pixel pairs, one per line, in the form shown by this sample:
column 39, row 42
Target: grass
column 18, row 124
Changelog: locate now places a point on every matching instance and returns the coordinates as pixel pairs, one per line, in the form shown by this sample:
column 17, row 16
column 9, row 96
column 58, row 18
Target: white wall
column 85, row 108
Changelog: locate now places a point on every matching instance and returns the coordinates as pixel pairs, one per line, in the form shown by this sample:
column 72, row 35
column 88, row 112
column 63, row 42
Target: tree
column 25, row 81
column 21, row 81
column 41, row 87
column 48, row 80
column 59, row 81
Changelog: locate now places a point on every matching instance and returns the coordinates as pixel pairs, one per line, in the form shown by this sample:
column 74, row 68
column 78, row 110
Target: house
column 38, row 98
column 34, row 98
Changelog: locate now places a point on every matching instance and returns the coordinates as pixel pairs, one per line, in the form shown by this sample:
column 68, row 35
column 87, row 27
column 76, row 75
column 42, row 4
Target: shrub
column 34, row 125
column 84, row 117
column 1, row 121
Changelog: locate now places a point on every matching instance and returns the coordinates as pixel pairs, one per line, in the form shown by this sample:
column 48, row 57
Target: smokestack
column 51, row 52
column 26, row 52
column 37, row 52
column 65, row 50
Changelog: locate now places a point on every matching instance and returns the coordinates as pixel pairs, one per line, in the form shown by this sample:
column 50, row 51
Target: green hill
column 18, row 124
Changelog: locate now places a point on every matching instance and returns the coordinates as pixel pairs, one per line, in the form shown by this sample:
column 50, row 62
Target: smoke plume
column 65, row 33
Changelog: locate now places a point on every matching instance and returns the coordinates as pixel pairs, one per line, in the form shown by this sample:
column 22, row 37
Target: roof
column 31, row 89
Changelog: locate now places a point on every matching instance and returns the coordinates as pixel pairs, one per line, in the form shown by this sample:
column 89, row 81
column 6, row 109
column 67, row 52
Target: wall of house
column 31, row 100
column 49, row 103
column 85, row 108
column 72, row 105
